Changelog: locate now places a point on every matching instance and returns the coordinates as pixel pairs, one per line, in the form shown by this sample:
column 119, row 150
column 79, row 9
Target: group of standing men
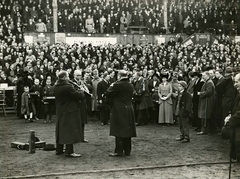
column 205, row 90
column 70, row 106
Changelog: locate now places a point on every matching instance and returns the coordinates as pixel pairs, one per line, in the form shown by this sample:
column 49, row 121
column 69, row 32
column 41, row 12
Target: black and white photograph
column 120, row 89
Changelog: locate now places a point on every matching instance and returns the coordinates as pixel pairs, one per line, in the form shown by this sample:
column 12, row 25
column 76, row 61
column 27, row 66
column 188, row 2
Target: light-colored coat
column 165, row 106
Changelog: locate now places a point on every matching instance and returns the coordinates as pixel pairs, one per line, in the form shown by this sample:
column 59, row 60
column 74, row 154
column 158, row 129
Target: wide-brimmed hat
column 183, row 84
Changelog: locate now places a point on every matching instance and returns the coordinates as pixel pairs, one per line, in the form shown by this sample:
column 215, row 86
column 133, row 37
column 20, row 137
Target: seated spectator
column 123, row 23
column 30, row 26
column 41, row 26
column 89, row 24
column 49, row 26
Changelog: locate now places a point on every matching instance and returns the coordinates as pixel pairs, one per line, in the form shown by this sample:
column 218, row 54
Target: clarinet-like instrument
column 80, row 87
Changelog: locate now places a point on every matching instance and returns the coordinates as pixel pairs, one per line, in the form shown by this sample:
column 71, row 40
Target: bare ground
column 155, row 154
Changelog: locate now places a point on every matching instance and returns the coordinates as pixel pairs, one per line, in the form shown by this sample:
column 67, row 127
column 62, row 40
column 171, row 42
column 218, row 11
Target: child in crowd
column 36, row 90
column 49, row 104
column 183, row 111
column 27, row 106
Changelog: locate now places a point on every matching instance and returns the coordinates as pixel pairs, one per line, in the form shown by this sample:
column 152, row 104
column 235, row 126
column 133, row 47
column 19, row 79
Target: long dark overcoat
column 228, row 91
column 206, row 100
column 68, row 124
column 122, row 119
column 146, row 100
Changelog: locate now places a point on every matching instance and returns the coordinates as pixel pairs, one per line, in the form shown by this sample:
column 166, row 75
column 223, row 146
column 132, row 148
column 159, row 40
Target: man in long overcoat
column 141, row 87
column 82, row 103
column 228, row 93
column 103, row 107
column 68, row 124
column 122, row 119
column 234, row 122
column 206, row 102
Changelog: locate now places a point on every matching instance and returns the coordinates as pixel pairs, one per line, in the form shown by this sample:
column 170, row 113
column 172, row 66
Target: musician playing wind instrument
column 68, row 124
column 78, row 79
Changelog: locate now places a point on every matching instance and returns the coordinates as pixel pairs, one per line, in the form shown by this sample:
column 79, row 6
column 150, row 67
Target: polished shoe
column 115, row 155
column 200, row 133
column 85, row 141
column 179, row 139
column 139, row 124
column 102, row 124
column 185, row 140
column 45, row 122
column 37, row 119
column 50, row 121
column 73, row 155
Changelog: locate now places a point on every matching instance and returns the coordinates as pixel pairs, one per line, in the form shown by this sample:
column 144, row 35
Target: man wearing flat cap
column 122, row 120
column 183, row 111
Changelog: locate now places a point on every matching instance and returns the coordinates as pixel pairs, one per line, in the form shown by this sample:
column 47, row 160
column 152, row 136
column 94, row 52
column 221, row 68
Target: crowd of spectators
column 17, row 17
column 219, row 17
column 42, row 60
column 115, row 16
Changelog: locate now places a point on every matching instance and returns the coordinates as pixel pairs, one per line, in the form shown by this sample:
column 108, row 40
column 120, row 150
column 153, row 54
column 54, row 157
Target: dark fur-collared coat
column 122, row 119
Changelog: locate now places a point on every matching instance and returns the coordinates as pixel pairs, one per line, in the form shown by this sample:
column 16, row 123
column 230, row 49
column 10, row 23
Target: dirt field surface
column 155, row 154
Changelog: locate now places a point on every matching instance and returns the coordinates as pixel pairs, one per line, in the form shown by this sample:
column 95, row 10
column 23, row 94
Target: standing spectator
column 195, row 98
column 228, row 92
column 49, row 104
column 234, row 122
column 36, row 89
column 218, row 101
column 206, row 103
column 142, row 90
column 21, row 83
column 122, row 124
column 68, row 124
column 27, row 106
column 165, row 101
column 103, row 107
column 183, row 111
column 153, row 88
column 96, row 79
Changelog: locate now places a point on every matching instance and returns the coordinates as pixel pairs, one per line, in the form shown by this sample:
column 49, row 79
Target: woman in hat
column 165, row 101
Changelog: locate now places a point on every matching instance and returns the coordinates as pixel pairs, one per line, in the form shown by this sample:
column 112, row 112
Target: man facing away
column 68, row 124
column 122, row 120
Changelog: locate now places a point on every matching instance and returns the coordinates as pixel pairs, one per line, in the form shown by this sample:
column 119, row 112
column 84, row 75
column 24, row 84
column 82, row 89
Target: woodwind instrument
column 80, row 87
